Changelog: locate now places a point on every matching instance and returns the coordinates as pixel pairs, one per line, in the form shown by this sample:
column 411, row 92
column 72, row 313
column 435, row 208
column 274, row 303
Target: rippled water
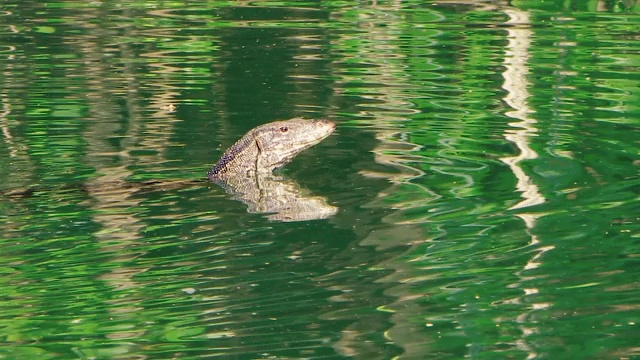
column 484, row 171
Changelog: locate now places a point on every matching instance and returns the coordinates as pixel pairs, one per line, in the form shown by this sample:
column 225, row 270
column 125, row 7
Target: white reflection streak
column 516, row 85
column 5, row 110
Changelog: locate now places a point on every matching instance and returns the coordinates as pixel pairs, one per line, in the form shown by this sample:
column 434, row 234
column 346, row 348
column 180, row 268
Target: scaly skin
column 270, row 146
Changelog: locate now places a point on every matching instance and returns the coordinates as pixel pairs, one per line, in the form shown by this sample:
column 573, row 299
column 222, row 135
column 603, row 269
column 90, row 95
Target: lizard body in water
column 244, row 171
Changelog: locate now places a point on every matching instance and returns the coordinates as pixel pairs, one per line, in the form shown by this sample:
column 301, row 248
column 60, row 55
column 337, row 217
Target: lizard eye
column 284, row 129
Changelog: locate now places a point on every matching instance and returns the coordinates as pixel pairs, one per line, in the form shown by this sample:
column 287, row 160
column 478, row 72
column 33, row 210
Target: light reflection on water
column 485, row 172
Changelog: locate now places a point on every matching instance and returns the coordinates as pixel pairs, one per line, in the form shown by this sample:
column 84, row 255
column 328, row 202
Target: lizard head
column 281, row 141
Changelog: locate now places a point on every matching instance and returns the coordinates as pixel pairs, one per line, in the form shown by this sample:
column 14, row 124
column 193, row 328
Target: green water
column 485, row 169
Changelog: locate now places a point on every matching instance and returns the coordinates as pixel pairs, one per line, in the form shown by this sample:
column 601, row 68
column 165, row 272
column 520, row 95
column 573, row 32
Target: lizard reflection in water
column 245, row 172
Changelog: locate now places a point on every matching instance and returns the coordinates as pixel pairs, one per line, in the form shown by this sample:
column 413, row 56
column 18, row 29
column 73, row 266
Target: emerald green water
column 485, row 169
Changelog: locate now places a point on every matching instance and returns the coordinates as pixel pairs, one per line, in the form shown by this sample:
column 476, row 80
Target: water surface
column 485, row 169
